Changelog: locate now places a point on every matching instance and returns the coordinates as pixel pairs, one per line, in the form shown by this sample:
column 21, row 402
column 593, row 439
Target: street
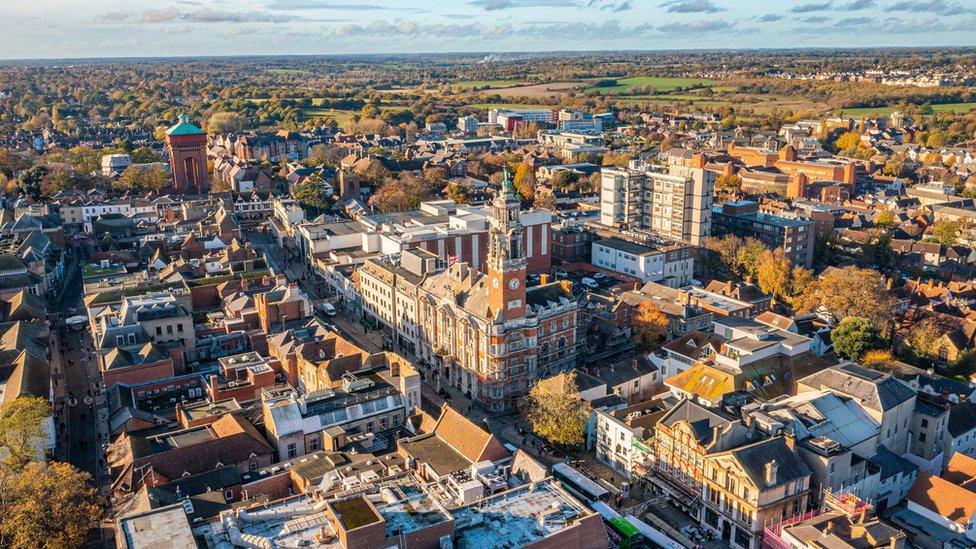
column 80, row 412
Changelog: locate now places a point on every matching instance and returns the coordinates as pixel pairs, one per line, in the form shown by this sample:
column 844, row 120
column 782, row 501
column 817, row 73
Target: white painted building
column 672, row 265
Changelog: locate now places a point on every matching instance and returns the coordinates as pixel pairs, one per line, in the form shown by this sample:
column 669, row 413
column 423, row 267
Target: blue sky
column 107, row 28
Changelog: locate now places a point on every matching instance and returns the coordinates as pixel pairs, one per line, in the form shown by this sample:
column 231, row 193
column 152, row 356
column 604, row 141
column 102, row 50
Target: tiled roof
column 944, row 498
column 960, row 470
column 468, row 438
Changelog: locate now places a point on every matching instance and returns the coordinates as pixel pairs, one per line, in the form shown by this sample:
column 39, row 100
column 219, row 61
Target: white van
column 589, row 282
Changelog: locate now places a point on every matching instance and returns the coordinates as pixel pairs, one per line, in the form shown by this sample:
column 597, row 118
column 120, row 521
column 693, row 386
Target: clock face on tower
column 494, row 282
column 513, row 284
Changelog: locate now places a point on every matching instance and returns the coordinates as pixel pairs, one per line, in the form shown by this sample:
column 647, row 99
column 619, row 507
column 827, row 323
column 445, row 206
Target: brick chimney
column 770, row 472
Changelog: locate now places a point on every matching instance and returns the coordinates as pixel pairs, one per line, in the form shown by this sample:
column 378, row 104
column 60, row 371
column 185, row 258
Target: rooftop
column 355, row 512
column 517, row 517
column 157, row 529
column 407, row 508
column 184, row 127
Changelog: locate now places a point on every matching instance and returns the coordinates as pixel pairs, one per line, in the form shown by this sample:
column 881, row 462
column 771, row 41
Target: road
column 83, row 425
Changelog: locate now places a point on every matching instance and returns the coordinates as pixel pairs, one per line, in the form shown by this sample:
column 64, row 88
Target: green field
column 514, row 106
column 340, row 116
column 488, row 83
column 958, row 108
column 661, row 84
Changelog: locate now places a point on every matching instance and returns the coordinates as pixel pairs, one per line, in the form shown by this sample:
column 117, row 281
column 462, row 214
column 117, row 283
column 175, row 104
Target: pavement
column 79, row 400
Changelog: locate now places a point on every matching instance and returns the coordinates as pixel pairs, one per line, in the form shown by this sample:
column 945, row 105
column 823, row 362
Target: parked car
column 589, row 282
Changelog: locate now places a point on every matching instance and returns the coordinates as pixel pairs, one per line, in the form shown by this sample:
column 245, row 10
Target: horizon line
column 5, row 60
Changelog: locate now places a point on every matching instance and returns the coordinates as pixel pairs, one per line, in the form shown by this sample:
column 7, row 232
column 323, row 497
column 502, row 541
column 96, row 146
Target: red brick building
column 187, row 147
column 483, row 330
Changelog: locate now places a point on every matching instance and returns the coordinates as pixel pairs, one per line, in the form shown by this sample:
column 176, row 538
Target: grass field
column 514, row 106
column 314, row 112
column 958, row 108
column 660, row 83
column 548, row 89
column 488, row 83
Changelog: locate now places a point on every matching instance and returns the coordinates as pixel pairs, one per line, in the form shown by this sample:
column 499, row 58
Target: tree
column 225, row 122
column 726, row 251
column 22, row 431
column 729, row 183
column 747, row 257
column 435, row 178
column 324, row 154
column 885, row 220
column 946, row 232
column 47, row 505
column 457, row 192
column 526, row 131
column 894, row 166
column 142, row 179
column 650, row 326
column 29, row 181
column 855, row 336
column 406, row 192
column 524, row 180
column 545, row 200
column 849, row 291
column 144, row 155
column 12, row 162
column 618, row 159
column 800, row 280
column 565, row 181
column 848, row 140
column 311, row 193
column 924, row 335
column 374, row 173
column 555, row 412
column 877, row 359
column 773, row 273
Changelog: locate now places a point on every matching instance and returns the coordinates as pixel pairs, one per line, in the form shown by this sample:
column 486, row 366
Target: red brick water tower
column 187, row 146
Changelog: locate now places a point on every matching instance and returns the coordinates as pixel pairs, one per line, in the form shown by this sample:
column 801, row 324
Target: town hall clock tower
column 506, row 256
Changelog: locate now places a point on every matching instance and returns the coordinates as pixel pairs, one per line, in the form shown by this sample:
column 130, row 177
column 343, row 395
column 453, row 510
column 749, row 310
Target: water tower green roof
column 184, row 127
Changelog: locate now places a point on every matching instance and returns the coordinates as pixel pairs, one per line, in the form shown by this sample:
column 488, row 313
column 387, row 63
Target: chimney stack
column 771, row 469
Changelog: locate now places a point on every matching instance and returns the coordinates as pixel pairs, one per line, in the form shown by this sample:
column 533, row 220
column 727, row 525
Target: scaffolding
column 842, row 502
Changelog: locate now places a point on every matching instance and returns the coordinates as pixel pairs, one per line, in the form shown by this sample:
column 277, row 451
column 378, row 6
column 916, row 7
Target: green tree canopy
column 225, row 122
column 855, row 336
column 142, row 179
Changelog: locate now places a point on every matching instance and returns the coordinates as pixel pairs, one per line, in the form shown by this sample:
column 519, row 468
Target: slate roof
column 891, row 463
column 691, row 345
column 28, row 375
column 26, row 306
column 701, row 419
column 753, row 458
column 962, row 418
column 625, row 370
column 876, row 390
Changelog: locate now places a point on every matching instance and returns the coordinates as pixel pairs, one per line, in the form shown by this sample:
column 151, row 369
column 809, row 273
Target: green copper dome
column 184, row 127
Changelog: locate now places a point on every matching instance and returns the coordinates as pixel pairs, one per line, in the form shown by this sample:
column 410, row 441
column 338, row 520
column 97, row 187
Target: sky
column 113, row 28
